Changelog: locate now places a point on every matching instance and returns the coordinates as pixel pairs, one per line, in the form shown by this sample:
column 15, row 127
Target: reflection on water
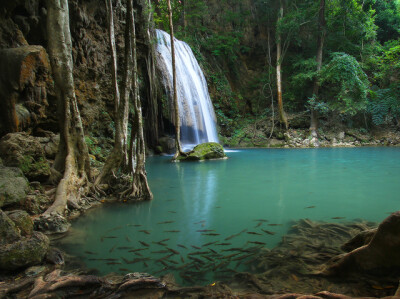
column 203, row 212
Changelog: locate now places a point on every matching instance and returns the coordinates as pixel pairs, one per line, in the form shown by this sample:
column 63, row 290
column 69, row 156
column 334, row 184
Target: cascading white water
column 198, row 121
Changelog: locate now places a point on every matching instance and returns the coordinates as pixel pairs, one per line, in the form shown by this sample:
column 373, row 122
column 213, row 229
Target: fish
column 180, row 245
column 165, row 268
column 145, row 264
column 210, row 234
column 135, row 225
column 165, row 240
column 209, row 243
column 195, row 247
column 182, row 259
column 138, row 249
column 261, row 220
column 338, row 217
column 274, row 224
column 257, row 242
column 212, row 250
column 231, row 237
column 115, row 228
column 90, row 252
column 171, row 231
column 137, row 253
column 196, row 259
column 198, row 253
column 145, row 231
column 172, row 262
column 112, row 249
column 259, row 224
column 109, row 237
column 124, row 248
column 172, row 212
column 310, row 207
column 234, row 249
column 173, row 250
column 254, row 233
column 144, row 243
column 202, row 221
column 268, row 232
column 231, row 255
column 224, row 244
column 160, row 251
column 160, row 243
column 127, row 238
column 113, row 263
column 208, row 258
column 164, row 263
column 124, row 270
column 166, row 222
column 205, row 230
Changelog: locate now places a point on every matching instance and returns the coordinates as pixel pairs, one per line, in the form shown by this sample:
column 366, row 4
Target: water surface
column 256, row 190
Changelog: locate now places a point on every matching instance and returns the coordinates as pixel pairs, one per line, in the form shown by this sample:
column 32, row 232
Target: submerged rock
column 52, row 224
column 13, row 186
column 204, row 151
column 25, row 252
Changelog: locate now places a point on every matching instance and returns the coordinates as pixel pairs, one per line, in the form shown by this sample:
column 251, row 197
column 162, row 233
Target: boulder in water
column 204, row 151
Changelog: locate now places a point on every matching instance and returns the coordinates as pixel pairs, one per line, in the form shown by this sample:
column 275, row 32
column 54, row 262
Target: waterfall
column 198, row 121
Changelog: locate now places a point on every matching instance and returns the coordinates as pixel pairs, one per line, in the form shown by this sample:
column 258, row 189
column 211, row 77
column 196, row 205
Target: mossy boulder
column 22, row 221
column 25, row 151
column 13, row 186
column 204, row 151
column 8, row 231
column 24, row 252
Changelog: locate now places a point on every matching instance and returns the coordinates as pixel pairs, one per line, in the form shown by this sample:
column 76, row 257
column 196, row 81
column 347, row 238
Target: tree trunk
column 137, row 154
column 176, row 105
column 321, row 39
column 119, row 155
column 72, row 158
column 282, row 115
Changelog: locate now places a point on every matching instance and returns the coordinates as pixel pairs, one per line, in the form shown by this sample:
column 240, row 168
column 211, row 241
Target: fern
column 384, row 106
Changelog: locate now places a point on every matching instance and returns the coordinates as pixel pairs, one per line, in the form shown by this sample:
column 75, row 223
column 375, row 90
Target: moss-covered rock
column 25, row 151
column 8, row 231
column 25, row 252
column 204, row 151
column 13, row 186
column 22, row 221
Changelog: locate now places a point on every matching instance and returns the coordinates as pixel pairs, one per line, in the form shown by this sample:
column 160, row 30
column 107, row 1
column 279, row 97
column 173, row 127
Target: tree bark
column 176, row 104
column 119, row 155
column 279, row 58
column 320, row 50
column 72, row 158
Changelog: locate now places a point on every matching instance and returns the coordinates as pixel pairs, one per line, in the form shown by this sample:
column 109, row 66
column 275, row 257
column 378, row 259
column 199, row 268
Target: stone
column 166, row 144
column 13, row 186
column 24, row 252
column 380, row 255
column 8, row 231
column 22, row 221
column 50, row 224
column 341, row 136
column 25, row 151
column 204, row 151
column 55, row 256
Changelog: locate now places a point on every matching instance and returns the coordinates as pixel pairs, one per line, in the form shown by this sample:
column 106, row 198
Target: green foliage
column 161, row 14
column 384, row 106
column 346, row 83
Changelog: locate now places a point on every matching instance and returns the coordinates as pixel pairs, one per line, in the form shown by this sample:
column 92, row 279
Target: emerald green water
column 228, row 197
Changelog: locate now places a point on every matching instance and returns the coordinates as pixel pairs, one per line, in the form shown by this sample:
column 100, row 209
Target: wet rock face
column 13, row 186
column 22, row 221
column 24, row 151
column 205, row 151
column 8, row 231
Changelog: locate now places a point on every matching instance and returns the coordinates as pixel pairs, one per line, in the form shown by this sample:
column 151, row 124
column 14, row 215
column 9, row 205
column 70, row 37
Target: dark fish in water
column 208, row 258
column 183, row 246
column 124, row 248
column 182, row 259
column 231, row 255
column 138, row 249
column 135, row 225
column 165, row 240
column 224, row 244
column 144, row 243
column 261, row 220
column 109, row 237
column 164, row 257
column 160, row 243
column 259, row 224
column 90, row 252
column 208, row 244
column 338, row 217
column 234, row 249
column 124, row 270
column 166, row 222
column 173, row 250
column 145, row 264
column 254, row 233
column 196, row 259
column 310, row 207
column 212, row 250
column 231, row 237
column 112, row 249
column 268, row 232
column 210, row 234
column 274, row 224
column 205, row 230
column 198, row 253
column 115, row 228
column 173, row 212
column 202, row 221
column 172, row 262
column 127, row 238
column 172, row 231
column 256, row 242
column 113, row 263
column 161, row 251
column 137, row 253
column 164, row 263
column 145, row 231
column 195, row 247
column 162, row 270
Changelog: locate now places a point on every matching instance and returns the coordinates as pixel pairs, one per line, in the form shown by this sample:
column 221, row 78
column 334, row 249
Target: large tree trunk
column 279, row 58
column 140, row 189
column 321, row 39
column 176, row 105
column 72, row 159
column 119, row 155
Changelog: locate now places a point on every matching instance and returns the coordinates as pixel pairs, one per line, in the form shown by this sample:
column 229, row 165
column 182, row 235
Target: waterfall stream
column 198, row 121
